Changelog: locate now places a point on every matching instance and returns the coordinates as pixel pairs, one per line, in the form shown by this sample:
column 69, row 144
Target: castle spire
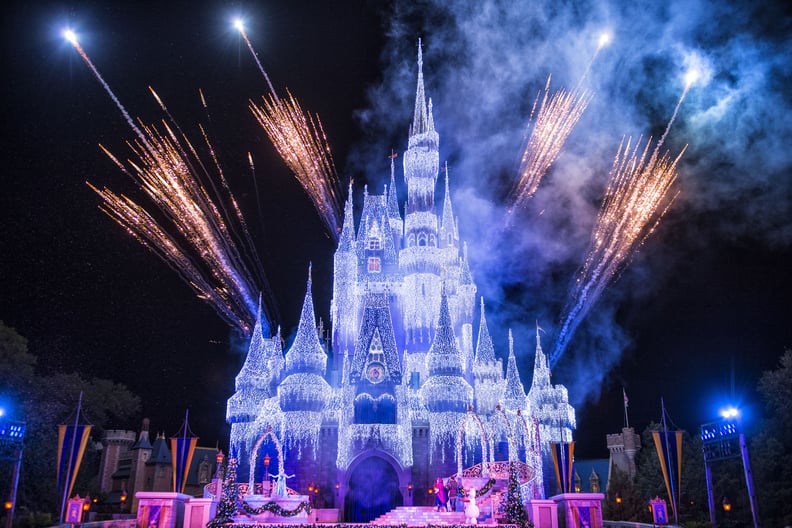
column 447, row 224
column 541, row 374
column 306, row 353
column 514, row 392
column 346, row 242
column 420, row 122
column 444, row 358
column 485, row 351
column 393, row 200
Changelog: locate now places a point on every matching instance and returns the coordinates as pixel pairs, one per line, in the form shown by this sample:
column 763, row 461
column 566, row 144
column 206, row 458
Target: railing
column 500, row 471
column 210, row 490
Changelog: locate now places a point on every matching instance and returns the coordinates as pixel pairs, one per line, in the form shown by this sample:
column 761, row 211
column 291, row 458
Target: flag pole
column 71, row 458
column 668, row 461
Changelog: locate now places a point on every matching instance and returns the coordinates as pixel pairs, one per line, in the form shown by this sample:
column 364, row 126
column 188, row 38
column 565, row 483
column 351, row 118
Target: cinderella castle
column 414, row 388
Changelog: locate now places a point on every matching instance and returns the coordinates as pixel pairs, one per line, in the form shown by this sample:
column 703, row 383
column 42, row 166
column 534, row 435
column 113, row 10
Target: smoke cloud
column 484, row 64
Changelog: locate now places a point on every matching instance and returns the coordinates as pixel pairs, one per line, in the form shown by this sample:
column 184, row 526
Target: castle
column 407, row 396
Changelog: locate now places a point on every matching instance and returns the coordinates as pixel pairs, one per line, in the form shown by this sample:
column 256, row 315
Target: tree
column 692, row 497
column 44, row 402
column 623, row 500
column 515, row 511
column 771, row 448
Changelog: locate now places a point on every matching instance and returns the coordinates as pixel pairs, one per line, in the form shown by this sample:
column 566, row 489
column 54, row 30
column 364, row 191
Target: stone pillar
column 543, row 513
column 579, row 510
column 160, row 509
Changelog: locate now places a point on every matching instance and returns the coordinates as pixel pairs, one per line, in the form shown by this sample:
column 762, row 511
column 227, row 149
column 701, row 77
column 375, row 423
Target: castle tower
column 487, row 371
column 344, row 306
column 394, row 216
column 446, row 393
column 303, row 393
column 420, row 259
column 116, row 444
column 623, row 447
column 253, row 380
column 141, row 453
column 550, row 403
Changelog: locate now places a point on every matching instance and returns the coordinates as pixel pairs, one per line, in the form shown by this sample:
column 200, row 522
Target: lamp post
column 723, row 440
column 12, row 435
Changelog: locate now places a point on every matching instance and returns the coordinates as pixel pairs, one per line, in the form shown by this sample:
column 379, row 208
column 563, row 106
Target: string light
column 402, row 312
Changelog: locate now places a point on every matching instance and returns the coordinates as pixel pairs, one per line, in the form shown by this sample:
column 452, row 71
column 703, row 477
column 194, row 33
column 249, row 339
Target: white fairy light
column 402, row 314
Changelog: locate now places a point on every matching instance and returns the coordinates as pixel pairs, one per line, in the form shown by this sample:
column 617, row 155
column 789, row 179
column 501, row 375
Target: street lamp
column 726, row 505
column 723, row 440
column 266, row 466
column 12, row 436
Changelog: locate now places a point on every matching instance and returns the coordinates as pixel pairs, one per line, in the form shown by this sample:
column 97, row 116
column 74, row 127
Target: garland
column 483, row 490
column 273, row 507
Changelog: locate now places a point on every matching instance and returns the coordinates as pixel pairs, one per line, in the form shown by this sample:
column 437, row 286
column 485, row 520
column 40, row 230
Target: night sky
column 700, row 312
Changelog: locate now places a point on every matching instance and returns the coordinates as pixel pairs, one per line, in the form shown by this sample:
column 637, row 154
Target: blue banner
column 669, row 451
column 72, row 440
column 563, row 460
column 182, row 449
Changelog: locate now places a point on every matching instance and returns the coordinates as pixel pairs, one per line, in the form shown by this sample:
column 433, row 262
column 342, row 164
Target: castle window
column 374, row 244
column 422, row 239
column 410, row 240
column 450, row 239
column 374, row 265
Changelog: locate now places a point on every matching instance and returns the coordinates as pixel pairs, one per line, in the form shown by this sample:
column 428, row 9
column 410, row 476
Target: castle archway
column 373, row 489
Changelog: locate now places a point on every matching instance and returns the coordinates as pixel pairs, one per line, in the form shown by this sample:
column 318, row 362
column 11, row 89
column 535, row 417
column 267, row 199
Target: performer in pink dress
column 441, row 498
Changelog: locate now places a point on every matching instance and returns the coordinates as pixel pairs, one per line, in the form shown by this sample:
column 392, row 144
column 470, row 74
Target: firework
column 301, row 143
column 557, row 115
column 201, row 246
column 638, row 195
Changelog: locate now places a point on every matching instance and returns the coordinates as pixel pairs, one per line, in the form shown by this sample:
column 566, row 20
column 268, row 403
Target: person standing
column 453, row 493
column 441, row 497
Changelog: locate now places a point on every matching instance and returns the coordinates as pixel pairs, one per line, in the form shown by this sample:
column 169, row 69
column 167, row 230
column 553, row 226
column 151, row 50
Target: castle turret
column 513, row 398
column 396, row 222
column 303, row 393
column 487, row 371
column 446, row 393
column 550, row 403
column 253, row 380
column 344, row 306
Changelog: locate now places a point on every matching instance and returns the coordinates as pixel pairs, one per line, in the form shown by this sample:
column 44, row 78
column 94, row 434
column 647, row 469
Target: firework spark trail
column 72, row 38
column 301, row 143
column 557, row 115
column 241, row 28
column 167, row 171
column 637, row 198
column 604, row 39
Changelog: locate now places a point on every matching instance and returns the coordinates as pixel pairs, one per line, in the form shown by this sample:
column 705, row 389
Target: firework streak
column 203, row 252
column 557, row 116
column 637, row 198
column 302, row 144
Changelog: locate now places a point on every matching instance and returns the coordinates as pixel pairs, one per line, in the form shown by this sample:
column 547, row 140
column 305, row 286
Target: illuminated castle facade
column 407, row 389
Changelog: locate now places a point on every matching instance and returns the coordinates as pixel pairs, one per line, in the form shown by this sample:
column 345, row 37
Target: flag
column 669, row 450
column 72, row 440
column 563, row 461
column 183, row 448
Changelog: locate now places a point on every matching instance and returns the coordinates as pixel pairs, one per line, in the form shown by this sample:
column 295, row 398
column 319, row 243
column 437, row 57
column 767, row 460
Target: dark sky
column 702, row 310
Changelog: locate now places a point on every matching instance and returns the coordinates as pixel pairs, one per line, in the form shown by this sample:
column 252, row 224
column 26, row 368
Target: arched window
column 422, row 239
